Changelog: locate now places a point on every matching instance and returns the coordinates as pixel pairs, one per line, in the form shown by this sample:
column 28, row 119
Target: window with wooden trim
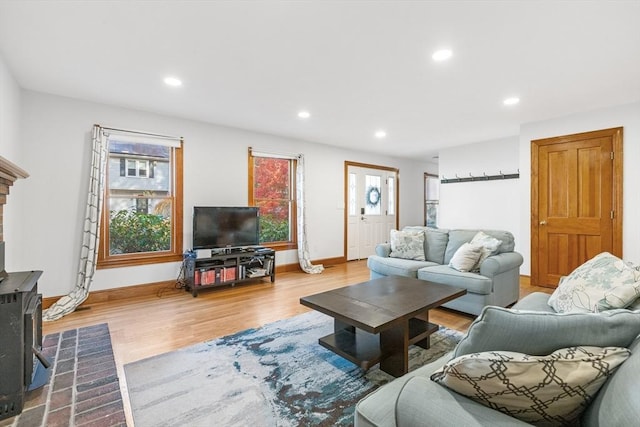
column 272, row 189
column 142, row 208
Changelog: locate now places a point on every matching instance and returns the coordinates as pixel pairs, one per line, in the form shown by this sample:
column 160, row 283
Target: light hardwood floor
column 146, row 326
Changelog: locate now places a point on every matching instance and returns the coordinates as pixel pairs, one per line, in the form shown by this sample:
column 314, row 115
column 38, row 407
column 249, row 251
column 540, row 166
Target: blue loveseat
column 530, row 327
column 496, row 283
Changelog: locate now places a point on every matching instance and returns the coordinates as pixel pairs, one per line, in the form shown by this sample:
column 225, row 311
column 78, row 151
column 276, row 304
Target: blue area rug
column 276, row 375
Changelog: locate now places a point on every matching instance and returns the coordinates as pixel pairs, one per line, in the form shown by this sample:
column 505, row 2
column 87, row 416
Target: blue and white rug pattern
column 276, row 375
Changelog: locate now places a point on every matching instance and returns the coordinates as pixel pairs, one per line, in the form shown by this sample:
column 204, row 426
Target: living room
column 47, row 130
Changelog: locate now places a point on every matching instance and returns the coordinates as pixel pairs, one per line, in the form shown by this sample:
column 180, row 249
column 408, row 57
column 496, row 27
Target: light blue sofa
column 531, row 327
column 497, row 282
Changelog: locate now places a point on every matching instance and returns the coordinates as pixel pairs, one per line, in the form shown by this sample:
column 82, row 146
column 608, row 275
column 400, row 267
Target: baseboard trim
column 145, row 289
column 124, row 292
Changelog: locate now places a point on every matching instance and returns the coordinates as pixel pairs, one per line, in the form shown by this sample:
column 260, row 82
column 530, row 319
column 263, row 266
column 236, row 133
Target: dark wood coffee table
column 377, row 320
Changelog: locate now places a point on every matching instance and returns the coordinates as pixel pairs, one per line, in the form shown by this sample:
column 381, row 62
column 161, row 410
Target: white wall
column 507, row 204
column 481, row 204
column 627, row 116
column 10, row 150
column 9, row 111
column 55, row 133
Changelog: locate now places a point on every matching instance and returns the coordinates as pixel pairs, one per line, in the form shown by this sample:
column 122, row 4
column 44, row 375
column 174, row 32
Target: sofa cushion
column 435, row 243
column 402, row 403
column 535, row 301
column 602, row 283
column 407, row 244
column 458, row 237
column 423, row 402
column 540, row 334
column 446, row 275
column 378, row 407
column 553, row 389
column 466, row 257
column 618, row 402
column 396, row 266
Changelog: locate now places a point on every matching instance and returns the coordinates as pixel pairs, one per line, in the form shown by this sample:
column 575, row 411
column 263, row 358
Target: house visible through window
column 135, row 167
column 142, row 208
column 272, row 189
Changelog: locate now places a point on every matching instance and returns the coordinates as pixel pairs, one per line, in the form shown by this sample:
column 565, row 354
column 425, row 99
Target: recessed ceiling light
column 511, row 101
column 304, row 114
column 380, row 134
column 172, row 81
column 442, row 55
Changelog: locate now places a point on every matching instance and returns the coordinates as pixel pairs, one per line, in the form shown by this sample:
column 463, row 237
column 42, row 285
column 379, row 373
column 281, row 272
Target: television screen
column 222, row 227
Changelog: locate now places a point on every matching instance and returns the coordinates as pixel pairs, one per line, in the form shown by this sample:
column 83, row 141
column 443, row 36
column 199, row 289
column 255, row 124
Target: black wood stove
column 22, row 366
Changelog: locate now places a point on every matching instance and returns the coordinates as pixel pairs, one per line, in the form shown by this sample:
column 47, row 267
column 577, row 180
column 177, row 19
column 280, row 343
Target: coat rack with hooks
column 483, row 177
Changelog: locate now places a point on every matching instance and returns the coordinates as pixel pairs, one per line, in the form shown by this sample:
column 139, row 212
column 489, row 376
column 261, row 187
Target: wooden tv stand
column 229, row 267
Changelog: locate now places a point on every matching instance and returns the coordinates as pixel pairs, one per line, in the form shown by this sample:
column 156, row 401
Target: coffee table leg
column 394, row 343
column 425, row 343
column 342, row 326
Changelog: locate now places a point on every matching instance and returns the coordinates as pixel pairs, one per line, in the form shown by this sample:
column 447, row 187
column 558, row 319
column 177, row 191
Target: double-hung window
column 272, row 189
column 142, row 206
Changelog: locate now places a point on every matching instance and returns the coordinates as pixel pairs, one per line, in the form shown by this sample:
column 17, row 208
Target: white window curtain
column 303, row 246
column 91, row 229
column 91, row 232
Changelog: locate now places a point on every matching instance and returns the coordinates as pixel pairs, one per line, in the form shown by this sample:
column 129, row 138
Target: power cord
column 180, row 283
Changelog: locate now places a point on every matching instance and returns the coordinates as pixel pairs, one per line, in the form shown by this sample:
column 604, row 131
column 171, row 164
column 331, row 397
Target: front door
column 370, row 207
column 576, row 202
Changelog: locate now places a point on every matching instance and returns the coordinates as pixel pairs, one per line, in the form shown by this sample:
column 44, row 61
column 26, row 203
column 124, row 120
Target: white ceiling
column 357, row 66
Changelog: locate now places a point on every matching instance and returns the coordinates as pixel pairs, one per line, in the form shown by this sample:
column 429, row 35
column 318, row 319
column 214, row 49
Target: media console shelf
column 229, row 268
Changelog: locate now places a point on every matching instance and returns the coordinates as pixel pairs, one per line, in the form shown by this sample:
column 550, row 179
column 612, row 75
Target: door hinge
column 612, row 155
column 613, row 214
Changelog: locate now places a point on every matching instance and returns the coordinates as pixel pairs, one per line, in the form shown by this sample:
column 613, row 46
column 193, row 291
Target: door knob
column 543, row 222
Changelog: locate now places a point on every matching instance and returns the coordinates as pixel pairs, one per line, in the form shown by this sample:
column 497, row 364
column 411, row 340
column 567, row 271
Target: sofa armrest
column 383, row 250
column 424, row 402
column 496, row 264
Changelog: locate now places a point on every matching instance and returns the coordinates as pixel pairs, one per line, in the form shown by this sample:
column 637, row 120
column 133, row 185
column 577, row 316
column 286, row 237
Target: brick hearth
column 83, row 389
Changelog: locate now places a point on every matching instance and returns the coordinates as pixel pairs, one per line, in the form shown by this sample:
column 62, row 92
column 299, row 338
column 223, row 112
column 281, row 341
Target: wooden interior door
column 576, row 206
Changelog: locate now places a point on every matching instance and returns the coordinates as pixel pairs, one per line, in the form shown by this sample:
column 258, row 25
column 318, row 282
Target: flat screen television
column 225, row 227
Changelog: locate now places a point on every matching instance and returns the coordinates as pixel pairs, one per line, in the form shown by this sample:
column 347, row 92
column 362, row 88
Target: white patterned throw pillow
column 466, row 257
column 407, row 245
column 489, row 246
column 550, row 390
column 602, row 283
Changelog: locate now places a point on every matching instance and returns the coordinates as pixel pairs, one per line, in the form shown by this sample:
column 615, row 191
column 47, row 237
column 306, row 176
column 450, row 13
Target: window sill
column 130, row 261
column 281, row 246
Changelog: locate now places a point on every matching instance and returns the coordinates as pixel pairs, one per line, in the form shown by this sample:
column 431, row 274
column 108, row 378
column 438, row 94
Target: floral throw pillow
column 550, row 390
column 604, row 282
column 407, row 245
